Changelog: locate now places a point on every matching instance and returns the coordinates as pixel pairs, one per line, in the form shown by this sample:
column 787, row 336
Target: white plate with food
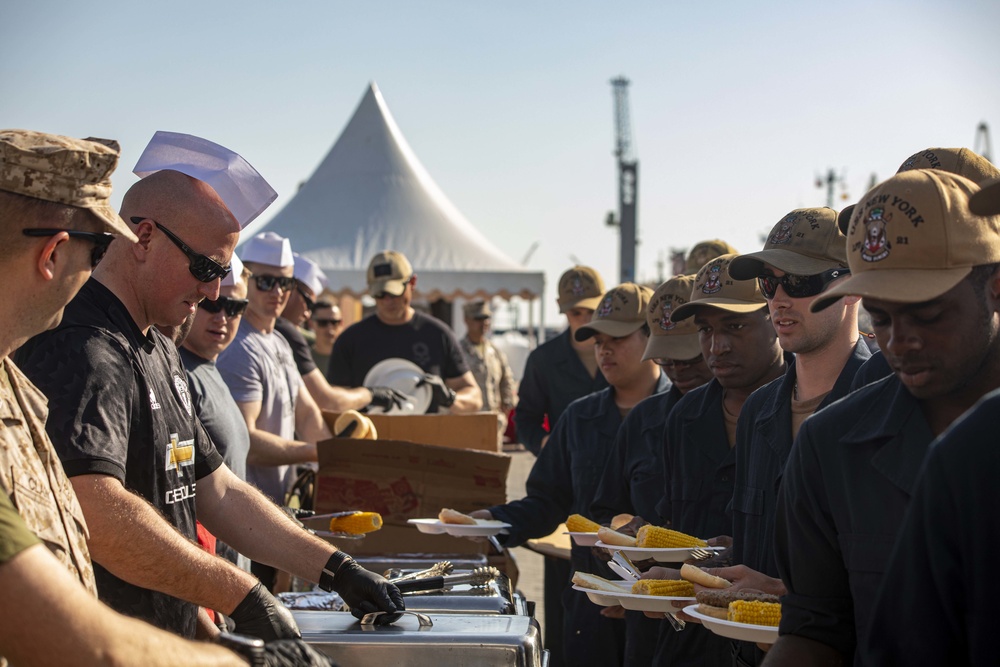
column 662, row 603
column 603, row 598
column 482, row 527
column 583, row 539
column 762, row 634
column 676, row 555
column 404, row 376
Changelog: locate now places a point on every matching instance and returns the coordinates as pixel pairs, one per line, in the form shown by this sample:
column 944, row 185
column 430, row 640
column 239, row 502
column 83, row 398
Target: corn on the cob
column 358, row 523
column 674, row 588
column 755, row 612
column 581, row 524
column 654, row 537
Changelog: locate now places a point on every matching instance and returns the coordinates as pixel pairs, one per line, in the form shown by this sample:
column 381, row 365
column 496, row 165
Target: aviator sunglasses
column 205, row 269
column 266, row 283
column 233, row 307
column 100, row 240
column 798, row 287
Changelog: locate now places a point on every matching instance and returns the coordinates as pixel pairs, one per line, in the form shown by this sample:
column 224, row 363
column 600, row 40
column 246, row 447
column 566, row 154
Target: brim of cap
column 732, row 305
column 590, row 303
column 113, row 222
column 750, row 266
column 896, row 285
column 393, row 287
column 987, row 200
column 614, row 328
column 673, row 346
column 844, row 218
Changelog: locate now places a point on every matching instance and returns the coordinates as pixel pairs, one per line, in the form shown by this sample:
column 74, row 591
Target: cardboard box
column 406, row 480
column 476, row 431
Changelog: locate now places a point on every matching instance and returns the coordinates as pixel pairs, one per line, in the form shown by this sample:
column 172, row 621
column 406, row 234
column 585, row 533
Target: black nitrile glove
column 442, row 393
column 294, row 653
column 366, row 592
column 387, row 398
column 260, row 615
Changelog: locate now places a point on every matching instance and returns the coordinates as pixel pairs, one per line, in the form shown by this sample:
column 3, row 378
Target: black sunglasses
column 310, row 304
column 205, row 269
column 100, row 240
column 328, row 323
column 799, row 287
column 233, row 307
column 266, row 283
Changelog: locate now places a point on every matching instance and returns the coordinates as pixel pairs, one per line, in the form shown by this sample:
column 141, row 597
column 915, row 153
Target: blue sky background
column 736, row 107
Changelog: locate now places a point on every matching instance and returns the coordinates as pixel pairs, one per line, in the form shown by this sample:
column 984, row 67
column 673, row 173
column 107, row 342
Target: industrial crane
column 628, row 182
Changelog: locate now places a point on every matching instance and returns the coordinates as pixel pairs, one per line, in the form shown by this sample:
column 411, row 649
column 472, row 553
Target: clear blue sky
column 736, row 106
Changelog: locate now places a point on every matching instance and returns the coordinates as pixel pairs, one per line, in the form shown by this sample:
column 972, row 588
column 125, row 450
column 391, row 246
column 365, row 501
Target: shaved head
column 177, row 200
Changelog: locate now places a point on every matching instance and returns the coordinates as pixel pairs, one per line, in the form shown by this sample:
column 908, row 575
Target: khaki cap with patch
column 477, row 310
column 620, row 312
column 669, row 339
column 62, row 170
column 805, row 242
column 961, row 161
column 913, row 238
column 389, row 271
column 580, row 287
column 702, row 252
column 713, row 286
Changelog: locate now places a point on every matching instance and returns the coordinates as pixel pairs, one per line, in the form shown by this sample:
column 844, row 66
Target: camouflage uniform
column 33, row 477
column 493, row 375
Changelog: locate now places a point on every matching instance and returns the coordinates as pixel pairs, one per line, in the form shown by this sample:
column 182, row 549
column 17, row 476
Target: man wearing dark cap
column 927, row 271
column 487, row 362
column 397, row 330
column 565, row 476
column 55, row 224
column 804, row 255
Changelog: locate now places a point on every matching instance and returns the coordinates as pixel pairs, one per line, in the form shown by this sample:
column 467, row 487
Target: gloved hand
column 387, row 398
column 442, row 393
column 366, row 592
column 294, row 653
column 260, row 615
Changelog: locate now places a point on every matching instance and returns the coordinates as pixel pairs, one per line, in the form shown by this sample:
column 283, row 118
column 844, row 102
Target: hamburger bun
column 714, row 612
column 352, row 424
column 592, row 581
column 451, row 516
column 698, row 576
column 609, row 536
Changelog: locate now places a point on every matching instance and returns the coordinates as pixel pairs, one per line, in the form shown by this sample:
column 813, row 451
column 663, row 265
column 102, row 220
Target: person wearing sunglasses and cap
column 804, row 255
column 928, row 272
column 123, row 423
column 326, row 324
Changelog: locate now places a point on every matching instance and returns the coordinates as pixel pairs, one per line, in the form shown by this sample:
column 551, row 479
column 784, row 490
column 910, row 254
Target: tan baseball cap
column 805, row 242
column 702, row 252
column 580, row 287
column 63, row 170
column 389, row 271
column 961, row 161
column 620, row 312
column 913, row 238
column 987, row 200
column 713, row 286
column 477, row 310
column 669, row 339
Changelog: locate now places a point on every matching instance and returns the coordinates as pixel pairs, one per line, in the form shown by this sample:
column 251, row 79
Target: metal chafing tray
column 451, row 639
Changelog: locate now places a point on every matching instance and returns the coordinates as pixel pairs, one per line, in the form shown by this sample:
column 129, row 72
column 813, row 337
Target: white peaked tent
column 370, row 194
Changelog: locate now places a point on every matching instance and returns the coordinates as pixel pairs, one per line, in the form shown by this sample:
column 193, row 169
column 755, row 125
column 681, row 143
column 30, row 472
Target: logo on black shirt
column 181, row 387
column 180, row 453
column 153, row 405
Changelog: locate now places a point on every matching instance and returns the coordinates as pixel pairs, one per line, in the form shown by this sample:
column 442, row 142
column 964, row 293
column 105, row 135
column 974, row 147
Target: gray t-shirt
column 260, row 367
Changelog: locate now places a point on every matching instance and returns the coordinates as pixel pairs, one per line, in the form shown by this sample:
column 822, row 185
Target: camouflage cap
column 961, row 161
column 477, row 310
column 62, row 170
column 580, row 287
column 714, row 287
column 705, row 251
column 805, row 242
column 669, row 339
column 620, row 312
column 913, row 238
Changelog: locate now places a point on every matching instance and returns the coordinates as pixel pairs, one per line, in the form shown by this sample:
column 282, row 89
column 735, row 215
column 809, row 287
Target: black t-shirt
column 119, row 405
column 424, row 340
column 300, row 346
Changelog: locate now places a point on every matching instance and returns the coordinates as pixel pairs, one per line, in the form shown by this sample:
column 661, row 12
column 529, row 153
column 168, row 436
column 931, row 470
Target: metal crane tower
column 982, row 145
column 628, row 182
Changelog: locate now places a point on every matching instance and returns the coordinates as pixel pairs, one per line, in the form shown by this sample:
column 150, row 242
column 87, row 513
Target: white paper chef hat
column 235, row 276
column 240, row 186
column 309, row 274
column 268, row 248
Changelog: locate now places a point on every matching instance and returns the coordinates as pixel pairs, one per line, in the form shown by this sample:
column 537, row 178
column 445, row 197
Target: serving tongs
column 296, row 514
column 480, row 576
column 623, row 566
column 437, row 570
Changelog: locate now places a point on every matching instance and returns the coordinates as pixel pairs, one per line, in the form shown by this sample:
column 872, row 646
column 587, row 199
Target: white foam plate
column 661, row 603
column 659, row 555
column 403, row 376
column 483, row 528
column 583, row 539
column 763, row 634
column 602, row 598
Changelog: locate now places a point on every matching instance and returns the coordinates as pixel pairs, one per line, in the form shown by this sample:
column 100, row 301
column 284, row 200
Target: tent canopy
column 370, row 194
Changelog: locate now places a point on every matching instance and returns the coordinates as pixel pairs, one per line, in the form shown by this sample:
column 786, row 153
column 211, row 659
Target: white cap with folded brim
column 309, row 274
column 240, row 186
column 269, row 248
column 235, row 275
